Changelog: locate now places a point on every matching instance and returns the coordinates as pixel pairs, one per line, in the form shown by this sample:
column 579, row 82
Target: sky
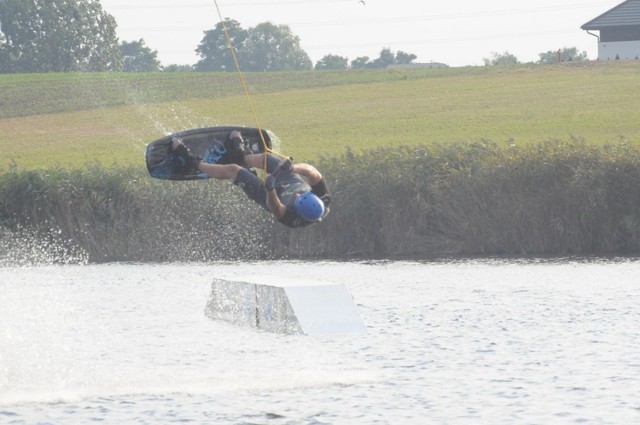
column 454, row 32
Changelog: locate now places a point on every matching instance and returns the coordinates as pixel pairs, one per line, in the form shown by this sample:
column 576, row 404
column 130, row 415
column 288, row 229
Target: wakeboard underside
column 208, row 143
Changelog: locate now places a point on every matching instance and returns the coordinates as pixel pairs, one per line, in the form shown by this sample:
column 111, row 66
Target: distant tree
column 386, row 58
column 136, row 57
column 571, row 54
column 272, row 47
column 360, row 62
column 178, row 68
column 57, row 36
column 214, row 47
column 266, row 47
column 332, row 62
column 403, row 58
column 567, row 54
column 505, row 58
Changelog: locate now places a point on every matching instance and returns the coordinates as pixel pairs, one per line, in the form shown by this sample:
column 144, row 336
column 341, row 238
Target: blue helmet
column 309, row 206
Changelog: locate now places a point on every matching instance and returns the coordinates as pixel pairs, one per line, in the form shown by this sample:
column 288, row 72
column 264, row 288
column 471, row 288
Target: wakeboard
column 208, row 143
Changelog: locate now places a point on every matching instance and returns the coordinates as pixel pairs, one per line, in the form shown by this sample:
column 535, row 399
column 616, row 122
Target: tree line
column 566, row 54
column 78, row 35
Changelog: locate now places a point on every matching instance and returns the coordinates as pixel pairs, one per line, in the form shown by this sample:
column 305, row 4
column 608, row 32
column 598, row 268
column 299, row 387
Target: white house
column 619, row 31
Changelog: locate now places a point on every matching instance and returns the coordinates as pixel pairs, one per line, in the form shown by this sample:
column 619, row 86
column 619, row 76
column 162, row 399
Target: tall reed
column 554, row 198
column 123, row 215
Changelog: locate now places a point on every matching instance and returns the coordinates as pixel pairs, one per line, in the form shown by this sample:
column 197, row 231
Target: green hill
column 72, row 119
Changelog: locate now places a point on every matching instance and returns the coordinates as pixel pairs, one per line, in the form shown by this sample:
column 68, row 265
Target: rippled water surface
column 467, row 342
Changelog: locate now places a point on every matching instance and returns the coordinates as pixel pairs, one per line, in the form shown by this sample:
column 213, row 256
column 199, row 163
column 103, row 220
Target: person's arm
column 316, row 181
column 277, row 208
column 310, row 172
column 321, row 191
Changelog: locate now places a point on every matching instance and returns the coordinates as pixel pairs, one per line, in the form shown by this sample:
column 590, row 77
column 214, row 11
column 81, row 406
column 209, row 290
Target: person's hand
column 286, row 166
column 269, row 182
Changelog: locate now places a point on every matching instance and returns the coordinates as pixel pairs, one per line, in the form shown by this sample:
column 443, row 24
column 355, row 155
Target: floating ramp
column 286, row 306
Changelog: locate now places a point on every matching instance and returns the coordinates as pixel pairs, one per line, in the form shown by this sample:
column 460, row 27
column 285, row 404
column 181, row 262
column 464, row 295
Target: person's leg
column 217, row 171
column 256, row 160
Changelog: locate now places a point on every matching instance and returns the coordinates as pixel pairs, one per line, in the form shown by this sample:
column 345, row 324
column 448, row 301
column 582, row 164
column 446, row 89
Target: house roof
column 624, row 14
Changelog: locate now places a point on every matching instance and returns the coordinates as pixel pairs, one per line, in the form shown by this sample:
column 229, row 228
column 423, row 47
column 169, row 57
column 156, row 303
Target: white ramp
column 281, row 305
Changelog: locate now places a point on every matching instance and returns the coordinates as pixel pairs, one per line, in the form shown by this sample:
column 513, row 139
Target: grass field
column 73, row 119
column 536, row 190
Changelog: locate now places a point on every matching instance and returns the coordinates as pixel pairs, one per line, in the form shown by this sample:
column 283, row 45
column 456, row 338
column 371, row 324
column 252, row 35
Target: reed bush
column 552, row 198
column 122, row 215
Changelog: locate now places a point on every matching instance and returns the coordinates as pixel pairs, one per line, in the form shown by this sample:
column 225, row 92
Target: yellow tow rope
column 266, row 148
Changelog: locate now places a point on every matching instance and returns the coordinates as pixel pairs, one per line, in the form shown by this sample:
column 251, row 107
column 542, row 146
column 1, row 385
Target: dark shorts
column 252, row 186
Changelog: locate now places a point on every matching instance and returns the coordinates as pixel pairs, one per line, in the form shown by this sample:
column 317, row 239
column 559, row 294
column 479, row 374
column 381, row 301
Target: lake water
column 492, row 342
